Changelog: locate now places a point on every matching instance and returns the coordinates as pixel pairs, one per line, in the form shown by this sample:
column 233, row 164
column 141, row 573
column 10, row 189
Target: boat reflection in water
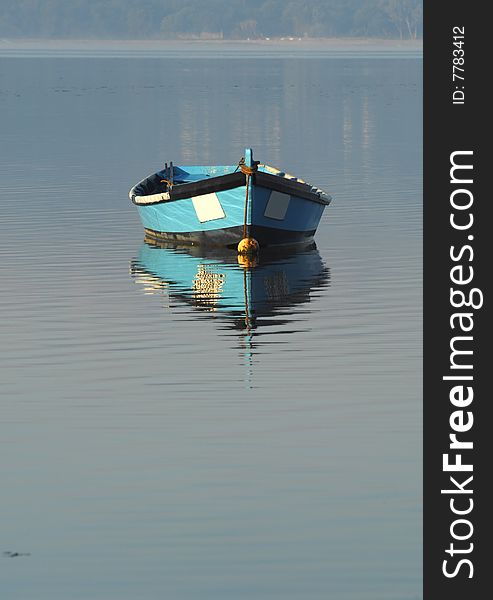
column 242, row 297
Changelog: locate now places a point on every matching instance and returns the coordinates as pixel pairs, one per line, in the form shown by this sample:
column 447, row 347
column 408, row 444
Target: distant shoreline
column 291, row 42
column 278, row 48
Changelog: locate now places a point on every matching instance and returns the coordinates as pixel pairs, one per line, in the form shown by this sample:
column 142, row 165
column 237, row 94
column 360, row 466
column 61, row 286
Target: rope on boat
column 247, row 247
column 248, row 171
column 240, row 162
column 245, row 215
column 168, row 171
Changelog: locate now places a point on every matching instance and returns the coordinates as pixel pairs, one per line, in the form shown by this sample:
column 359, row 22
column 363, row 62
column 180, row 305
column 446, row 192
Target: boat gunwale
column 230, row 181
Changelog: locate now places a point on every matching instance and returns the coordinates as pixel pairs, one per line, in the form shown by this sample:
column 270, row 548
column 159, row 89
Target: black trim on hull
column 217, row 237
column 287, row 186
column 207, row 186
column 154, row 185
column 231, row 236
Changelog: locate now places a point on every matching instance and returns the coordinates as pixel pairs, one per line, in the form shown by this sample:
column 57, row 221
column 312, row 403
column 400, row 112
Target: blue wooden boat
column 220, row 205
column 212, row 281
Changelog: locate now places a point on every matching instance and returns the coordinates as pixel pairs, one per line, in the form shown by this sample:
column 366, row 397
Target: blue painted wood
column 179, row 216
column 248, row 157
column 302, row 215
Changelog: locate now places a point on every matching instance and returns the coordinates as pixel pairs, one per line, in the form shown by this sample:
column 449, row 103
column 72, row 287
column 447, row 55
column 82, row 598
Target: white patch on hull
column 208, row 208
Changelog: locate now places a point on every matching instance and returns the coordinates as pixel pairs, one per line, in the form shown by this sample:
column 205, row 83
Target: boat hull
column 217, row 218
column 222, row 205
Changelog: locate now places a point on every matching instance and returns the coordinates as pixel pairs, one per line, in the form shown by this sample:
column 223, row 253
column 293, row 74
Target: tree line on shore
column 220, row 19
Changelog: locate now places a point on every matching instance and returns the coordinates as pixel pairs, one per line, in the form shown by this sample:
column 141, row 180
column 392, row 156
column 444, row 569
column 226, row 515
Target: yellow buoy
column 248, row 247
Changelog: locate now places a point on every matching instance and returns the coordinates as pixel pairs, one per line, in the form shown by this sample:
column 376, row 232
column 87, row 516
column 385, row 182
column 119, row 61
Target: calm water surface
column 159, row 439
